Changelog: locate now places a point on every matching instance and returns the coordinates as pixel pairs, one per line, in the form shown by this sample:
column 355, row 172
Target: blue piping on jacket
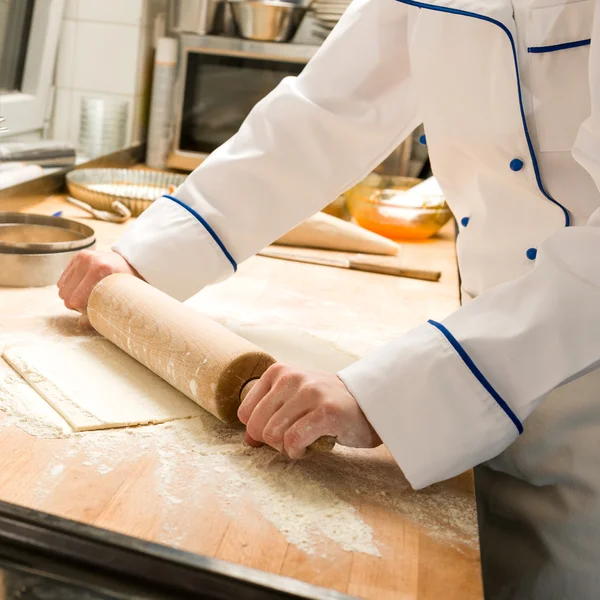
column 464, row 13
column 208, row 228
column 557, row 47
column 478, row 375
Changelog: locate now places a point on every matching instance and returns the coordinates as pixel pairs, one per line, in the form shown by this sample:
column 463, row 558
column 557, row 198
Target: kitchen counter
column 225, row 502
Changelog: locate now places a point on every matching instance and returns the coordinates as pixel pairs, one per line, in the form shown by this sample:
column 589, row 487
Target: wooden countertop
column 427, row 540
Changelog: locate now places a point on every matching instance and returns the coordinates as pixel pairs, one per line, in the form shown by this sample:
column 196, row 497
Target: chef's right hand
column 85, row 270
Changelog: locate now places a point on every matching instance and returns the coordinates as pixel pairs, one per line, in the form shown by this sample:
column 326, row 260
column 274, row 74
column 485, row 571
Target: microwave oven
column 219, row 80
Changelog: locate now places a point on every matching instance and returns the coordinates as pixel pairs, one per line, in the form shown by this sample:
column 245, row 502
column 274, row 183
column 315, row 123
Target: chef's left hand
column 289, row 409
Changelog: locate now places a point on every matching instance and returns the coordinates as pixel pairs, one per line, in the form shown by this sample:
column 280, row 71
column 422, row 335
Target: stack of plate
column 328, row 13
column 102, row 126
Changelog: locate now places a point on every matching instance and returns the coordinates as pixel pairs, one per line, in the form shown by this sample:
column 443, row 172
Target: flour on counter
column 311, row 501
column 104, row 469
column 56, row 470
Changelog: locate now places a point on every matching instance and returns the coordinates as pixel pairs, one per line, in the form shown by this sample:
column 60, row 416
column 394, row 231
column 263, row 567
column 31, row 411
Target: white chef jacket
column 509, row 94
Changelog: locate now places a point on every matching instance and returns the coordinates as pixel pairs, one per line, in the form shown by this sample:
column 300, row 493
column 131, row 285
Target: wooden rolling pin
column 330, row 233
column 205, row 361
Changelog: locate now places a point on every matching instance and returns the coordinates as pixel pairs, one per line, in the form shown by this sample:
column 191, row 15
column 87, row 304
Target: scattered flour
column 308, row 501
column 56, row 470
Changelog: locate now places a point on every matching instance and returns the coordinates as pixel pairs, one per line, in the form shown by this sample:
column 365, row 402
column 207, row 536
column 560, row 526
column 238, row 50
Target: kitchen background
column 102, row 49
column 81, row 79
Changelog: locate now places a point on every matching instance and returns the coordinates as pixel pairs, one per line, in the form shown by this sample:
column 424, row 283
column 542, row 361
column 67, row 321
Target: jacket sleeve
column 451, row 395
column 307, row 142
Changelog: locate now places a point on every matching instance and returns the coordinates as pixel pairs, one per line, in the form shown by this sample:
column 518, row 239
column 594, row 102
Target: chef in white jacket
column 509, row 94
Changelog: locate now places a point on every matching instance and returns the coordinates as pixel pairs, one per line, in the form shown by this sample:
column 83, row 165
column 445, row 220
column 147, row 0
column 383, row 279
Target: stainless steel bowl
column 192, row 16
column 34, row 270
column 35, row 249
column 268, row 20
column 22, row 233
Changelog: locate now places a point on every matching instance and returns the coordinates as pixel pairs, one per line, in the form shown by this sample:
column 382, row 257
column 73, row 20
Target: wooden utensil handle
column 357, row 264
column 323, row 444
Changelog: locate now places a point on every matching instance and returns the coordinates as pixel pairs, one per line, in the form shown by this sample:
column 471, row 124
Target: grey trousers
column 539, row 502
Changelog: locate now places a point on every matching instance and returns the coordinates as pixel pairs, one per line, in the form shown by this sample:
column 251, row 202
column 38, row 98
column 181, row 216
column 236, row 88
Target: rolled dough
column 92, row 384
column 18, row 398
column 95, row 385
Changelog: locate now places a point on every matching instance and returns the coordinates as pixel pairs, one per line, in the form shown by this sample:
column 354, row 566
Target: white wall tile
column 65, row 63
column 61, row 119
column 106, row 58
column 71, row 9
column 106, row 51
column 129, row 12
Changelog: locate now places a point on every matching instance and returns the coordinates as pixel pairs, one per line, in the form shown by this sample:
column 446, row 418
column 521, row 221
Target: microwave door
column 219, row 93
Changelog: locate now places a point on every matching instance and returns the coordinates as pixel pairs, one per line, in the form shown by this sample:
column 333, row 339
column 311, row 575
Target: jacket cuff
column 175, row 250
column 431, row 406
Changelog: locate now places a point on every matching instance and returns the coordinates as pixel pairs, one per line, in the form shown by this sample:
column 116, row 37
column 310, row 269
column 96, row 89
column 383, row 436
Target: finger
column 251, row 442
column 66, row 278
column 77, row 275
column 80, row 296
column 266, row 408
column 260, row 389
column 304, row 432
column 291, row 411
column 66, row 273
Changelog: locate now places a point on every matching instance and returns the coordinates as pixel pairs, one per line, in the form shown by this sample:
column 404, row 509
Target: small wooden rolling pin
column 205, row 361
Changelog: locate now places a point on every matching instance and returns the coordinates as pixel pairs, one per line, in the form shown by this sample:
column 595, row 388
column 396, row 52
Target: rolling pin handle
column 246, row 389
column 323, row 444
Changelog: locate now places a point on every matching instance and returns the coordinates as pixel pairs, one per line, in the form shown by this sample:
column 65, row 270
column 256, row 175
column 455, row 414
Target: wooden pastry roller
column 209, row 364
